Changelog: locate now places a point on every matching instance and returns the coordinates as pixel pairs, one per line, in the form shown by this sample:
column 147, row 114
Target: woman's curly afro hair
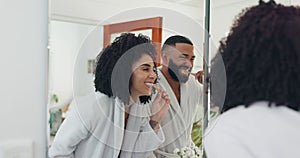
column 261, row 56
column 114, row 65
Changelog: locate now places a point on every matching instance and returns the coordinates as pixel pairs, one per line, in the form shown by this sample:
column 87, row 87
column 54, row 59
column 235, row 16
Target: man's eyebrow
column 184, row 54
column 147, row 65
column 188, row 55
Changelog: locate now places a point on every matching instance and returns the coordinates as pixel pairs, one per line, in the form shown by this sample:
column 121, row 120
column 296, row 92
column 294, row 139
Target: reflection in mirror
column 76, row 40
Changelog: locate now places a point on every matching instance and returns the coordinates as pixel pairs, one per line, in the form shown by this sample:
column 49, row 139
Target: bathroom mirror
column 78, row 30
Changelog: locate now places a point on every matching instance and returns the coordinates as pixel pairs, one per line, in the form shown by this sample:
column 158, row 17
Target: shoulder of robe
column 94, row 106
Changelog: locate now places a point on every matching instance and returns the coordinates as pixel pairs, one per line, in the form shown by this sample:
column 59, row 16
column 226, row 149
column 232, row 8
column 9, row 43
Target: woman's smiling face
column 143, row 71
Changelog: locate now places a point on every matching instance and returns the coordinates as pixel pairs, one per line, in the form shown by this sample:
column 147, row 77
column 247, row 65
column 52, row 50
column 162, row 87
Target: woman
column 260, row 116
column 119, row 120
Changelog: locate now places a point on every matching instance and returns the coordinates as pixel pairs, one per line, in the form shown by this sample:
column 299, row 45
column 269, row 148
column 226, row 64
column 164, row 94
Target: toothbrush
column 152, row 85
column 188, row 72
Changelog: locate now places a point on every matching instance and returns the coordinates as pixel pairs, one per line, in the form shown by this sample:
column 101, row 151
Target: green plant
column 54, row 98
column 197, row 129
column 197, row 133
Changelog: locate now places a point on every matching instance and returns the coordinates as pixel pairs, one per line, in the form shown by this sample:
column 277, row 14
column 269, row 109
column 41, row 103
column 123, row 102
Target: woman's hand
column 160, row 107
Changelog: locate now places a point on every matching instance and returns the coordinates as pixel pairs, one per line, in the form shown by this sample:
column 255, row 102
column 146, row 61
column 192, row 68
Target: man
column 185, row 93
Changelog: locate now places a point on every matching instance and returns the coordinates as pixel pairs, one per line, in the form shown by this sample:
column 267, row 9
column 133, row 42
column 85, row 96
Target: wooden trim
column 155, row 24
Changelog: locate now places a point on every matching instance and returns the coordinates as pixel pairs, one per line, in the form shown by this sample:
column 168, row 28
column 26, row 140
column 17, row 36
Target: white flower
column 176, row 151
column 188, row 152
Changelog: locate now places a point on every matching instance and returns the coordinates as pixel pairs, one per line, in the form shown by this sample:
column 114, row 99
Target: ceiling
column 191, row 3
column 93, row 11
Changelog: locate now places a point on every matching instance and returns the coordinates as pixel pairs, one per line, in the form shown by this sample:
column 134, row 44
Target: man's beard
column 175, row 73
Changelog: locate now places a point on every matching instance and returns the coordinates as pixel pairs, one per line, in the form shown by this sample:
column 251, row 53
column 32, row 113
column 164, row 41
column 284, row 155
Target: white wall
column 223, row 14
column 295, row 2
column 96, row 10
column 23, row 60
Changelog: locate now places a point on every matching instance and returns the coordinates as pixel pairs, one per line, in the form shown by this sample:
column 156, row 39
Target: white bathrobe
column 258, row 131
column 178, row 122
column 94, row 128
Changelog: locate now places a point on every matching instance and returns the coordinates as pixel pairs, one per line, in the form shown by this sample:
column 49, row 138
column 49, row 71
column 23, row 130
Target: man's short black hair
column 171, row 41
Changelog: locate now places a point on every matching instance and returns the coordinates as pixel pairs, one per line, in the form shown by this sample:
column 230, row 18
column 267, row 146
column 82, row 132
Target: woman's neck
column 133, row 99
column 127, row 109
column 131, row 102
